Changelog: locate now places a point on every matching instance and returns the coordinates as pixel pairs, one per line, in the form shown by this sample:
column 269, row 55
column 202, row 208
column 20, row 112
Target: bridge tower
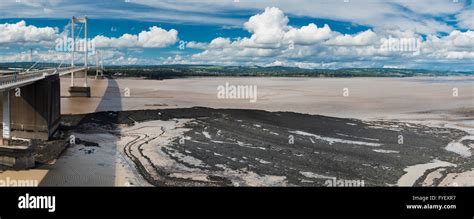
column 85, row 90
column 99, row 73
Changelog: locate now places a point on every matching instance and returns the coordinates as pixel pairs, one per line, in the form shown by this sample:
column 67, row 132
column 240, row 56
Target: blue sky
column 304, row 33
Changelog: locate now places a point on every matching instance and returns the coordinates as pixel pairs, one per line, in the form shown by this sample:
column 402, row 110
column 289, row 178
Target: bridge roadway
column 8, row 82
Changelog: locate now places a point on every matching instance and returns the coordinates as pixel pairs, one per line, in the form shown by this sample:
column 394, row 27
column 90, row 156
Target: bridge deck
column 19, row 80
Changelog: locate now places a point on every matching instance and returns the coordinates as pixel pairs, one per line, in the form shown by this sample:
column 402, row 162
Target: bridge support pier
column 72, row 79
column 33, row 111
column 6, row 118
column 99, row 74
column 18, row 156
column 80, row 91
column 14, row 153
column 77, row 91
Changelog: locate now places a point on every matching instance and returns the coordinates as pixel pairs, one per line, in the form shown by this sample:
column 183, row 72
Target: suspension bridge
column 31, row 100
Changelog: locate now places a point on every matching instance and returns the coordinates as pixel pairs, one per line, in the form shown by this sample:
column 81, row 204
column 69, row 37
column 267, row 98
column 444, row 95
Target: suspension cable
column 48, row 50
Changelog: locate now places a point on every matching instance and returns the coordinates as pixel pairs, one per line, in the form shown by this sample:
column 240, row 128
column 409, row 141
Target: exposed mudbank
column 230, row 147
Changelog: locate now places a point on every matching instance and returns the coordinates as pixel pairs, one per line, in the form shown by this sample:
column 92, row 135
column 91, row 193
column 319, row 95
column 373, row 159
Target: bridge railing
column 11, row 79
column 49, row 71
column 30, row 75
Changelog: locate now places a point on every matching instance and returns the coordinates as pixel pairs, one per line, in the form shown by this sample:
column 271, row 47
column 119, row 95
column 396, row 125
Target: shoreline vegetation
column 160, row 72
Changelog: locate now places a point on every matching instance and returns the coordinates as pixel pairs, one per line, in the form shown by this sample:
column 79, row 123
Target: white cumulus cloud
column 267, row 27
column 275, row 42
column 21, row 33
column 155, row 37
column 365, row 38
column 309, row 34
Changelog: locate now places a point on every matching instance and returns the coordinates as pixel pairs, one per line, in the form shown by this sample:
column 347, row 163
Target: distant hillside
column 172, row 71
column 175, row 71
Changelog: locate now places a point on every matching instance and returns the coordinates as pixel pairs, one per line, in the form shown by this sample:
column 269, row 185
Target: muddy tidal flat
column 219, row 147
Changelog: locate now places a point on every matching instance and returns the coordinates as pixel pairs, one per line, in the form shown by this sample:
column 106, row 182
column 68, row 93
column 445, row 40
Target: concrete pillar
column 86, row 51
column 73, row 41
column 101, row 66
column 72, row 79
column 96, row 64
column 6, row 117
column 73, row 49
